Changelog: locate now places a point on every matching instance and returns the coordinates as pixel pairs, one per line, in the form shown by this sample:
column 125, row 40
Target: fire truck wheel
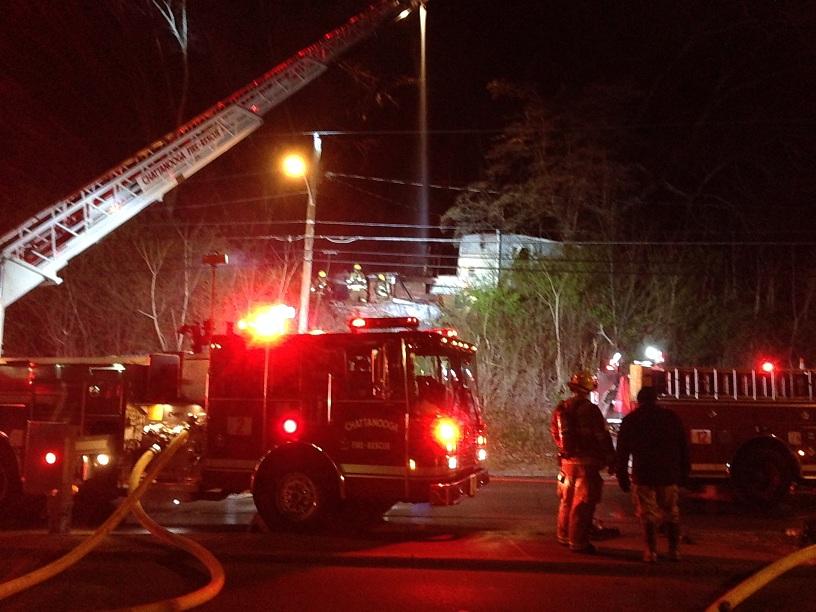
column 294, row 499
column 762, row 476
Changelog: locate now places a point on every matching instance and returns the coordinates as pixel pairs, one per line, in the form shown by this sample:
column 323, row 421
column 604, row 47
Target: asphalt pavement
column 506, row 532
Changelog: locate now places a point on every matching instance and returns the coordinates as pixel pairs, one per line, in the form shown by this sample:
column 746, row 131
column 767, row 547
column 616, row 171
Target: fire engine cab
column 311, row 422
column 756, row 428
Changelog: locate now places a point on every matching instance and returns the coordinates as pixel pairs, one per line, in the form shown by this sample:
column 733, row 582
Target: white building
column 483, row 256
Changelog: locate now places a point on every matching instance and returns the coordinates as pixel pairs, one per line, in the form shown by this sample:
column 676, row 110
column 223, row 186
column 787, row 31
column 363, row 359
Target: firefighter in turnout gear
column 585, row 448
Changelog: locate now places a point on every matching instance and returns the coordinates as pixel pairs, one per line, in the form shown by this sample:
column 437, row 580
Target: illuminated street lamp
column 295, row 166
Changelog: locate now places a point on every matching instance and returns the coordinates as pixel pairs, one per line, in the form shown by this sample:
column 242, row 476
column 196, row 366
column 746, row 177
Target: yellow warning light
column 268, row 322
column 155, row 412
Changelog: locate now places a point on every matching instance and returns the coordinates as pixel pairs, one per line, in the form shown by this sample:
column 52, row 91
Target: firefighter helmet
column 583, row 381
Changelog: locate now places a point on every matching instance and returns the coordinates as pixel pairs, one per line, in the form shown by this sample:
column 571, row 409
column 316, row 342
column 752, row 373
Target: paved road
column 493, row 552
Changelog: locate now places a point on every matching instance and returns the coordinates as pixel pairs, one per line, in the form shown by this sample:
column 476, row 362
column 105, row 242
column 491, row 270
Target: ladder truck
column 35, row 252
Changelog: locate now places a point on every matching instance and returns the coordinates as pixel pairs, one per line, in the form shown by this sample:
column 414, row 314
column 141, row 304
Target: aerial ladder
column 35, row 251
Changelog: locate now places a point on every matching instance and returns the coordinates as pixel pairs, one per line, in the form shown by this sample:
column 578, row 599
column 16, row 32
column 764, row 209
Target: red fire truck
column 74, row 421
column 756, row 428
column 53, row 413
column 312, row 424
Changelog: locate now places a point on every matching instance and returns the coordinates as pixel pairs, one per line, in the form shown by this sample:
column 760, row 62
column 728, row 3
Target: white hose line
column 753, row 583
column 214, row 567
column 16, row 585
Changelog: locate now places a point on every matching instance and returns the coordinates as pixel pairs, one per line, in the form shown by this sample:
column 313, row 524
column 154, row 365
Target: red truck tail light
column 47, row 456
column 447, row 432
column 289, row 426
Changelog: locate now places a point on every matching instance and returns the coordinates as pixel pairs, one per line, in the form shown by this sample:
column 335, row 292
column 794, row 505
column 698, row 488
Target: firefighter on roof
column 585, row 448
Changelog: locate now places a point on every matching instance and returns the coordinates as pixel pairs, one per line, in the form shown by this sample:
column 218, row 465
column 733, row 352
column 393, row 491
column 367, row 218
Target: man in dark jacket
column 656, row 441
column 585, row 448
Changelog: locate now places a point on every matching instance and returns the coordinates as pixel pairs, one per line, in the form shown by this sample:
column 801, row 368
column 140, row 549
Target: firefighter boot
column 650, row 539
column 673, row 533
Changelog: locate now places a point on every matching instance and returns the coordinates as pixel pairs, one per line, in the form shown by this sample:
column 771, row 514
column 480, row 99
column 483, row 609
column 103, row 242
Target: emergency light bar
column 361, row 323
column 444, row 331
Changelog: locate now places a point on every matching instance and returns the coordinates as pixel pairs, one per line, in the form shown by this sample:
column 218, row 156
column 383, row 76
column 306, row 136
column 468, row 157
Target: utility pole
column 311, row 179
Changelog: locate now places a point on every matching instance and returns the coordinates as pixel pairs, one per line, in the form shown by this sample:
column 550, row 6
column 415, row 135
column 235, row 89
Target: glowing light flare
column 357, row 322
column 446, row 431
column 50, row 458
column 654, row 354
column 767, row 366
column 102, row 459
column 268, row 322
column 290, row 426
column 294, row 166
column 403, row 14
column 481, row 454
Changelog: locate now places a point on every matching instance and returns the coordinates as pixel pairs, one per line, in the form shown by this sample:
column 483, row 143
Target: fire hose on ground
column 753, row 583
column 132, row 503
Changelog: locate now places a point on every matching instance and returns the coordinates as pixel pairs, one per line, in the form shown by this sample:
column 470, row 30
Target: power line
column 565, row 243
column 279, row 196
column 392, row 181
column 301, row 222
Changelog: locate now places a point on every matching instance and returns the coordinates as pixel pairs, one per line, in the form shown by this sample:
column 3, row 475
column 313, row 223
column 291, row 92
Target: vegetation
column 679, row 190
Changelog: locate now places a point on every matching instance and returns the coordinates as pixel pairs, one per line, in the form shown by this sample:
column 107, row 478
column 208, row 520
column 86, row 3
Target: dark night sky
column 83, row 87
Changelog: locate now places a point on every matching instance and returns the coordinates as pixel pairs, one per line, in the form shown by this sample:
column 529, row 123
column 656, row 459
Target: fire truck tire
column 295, row 498
column 762, row 476
column 10, row 485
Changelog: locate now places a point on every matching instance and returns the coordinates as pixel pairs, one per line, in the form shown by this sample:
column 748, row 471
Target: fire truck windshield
column 445, row 379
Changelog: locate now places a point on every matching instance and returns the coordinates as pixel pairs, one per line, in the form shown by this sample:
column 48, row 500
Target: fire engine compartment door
column 712, row 429
column 368, row 410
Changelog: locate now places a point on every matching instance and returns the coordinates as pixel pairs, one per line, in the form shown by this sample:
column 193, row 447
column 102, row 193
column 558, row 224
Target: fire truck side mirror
column 48, row 459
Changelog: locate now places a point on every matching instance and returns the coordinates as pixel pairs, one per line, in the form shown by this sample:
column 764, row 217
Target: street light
column 295, row 166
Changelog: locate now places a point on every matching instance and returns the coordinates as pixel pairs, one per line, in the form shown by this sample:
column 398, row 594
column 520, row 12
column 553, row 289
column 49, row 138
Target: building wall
column 482, row 256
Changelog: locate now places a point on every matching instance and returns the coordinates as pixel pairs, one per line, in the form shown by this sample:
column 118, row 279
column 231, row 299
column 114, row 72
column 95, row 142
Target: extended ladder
column 39, row 248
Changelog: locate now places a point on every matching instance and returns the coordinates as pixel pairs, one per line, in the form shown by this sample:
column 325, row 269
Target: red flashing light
column 446, row 431
column 767, row 366
column 268, row 322
column 359, row 323
column 50, row 458
column 290, row 426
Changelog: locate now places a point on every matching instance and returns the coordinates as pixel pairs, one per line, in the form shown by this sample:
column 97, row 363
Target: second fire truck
column 754, row 428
